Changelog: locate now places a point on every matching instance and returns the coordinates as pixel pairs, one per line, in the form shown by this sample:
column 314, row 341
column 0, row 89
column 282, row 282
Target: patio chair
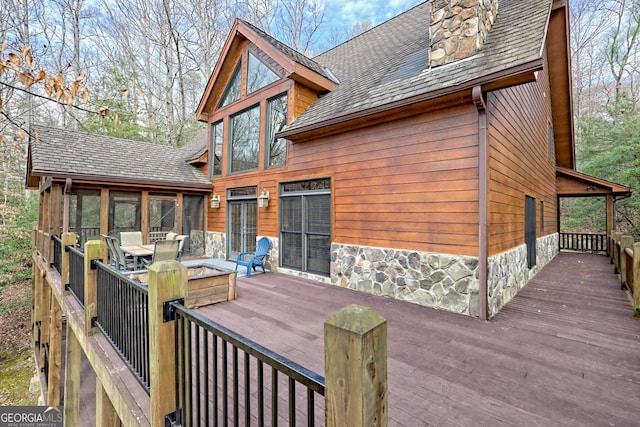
column 171, row 235
column 251, row 260
column 111, row 256
column 122, row 262
column 130, row 238
column 181, row 238
column 164, row 250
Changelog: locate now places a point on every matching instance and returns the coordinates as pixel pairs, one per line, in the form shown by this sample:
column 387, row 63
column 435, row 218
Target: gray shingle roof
column 80, row 155
column 390, row 62
column 196, row 146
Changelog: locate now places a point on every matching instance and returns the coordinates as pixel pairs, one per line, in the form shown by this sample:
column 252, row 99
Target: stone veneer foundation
column 508, row 272
column 446, row 282
column 441, row 281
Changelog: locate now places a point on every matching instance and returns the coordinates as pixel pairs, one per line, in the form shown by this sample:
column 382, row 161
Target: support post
column 356, row 368
column 72, row 379
column 45, row 310
column 92, row 250
column 37, row 303
column 106, row 415
column 636, row 280
column 625, row 242
column 54, row 383
column 167, row 282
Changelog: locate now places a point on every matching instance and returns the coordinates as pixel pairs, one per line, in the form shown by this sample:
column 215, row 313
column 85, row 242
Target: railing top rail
column 297, row 372
column 128, row 280
column 629, row 252
column 74, row 249
column 584, row 234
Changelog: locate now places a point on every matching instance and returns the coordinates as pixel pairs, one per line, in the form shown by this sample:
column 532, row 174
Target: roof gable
column 290, row 63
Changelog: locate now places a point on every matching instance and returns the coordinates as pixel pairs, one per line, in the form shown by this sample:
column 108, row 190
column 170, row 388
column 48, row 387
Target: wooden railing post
column 616, row 252
column 92, row 250
column 167, row 282
column 636, row 280
column 625, row 242
column 355, row 355
column 67, row 239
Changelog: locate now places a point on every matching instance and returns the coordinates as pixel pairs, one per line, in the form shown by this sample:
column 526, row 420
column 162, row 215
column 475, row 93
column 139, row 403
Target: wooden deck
column 565, row 351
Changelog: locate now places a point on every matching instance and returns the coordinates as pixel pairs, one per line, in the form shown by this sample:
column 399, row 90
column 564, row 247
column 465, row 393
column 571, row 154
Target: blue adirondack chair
column 251, row 260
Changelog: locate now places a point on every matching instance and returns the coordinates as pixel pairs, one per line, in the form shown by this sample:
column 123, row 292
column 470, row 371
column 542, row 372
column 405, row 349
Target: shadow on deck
column 565, row 351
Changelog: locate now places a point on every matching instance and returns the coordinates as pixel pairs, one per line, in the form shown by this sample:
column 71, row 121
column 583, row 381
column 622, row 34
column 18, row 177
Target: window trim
column 212, row 148
column 250, row 92
column 237, row 72
column 268, row 136
column 230, row 171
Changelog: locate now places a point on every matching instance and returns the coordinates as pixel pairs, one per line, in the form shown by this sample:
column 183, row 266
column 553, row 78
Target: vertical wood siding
column 518, row 162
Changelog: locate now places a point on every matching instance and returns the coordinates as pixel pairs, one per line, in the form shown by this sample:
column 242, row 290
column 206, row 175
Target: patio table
column 138, row 251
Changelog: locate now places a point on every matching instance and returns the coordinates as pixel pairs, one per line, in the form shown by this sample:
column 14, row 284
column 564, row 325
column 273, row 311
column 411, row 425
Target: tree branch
column 46, row 97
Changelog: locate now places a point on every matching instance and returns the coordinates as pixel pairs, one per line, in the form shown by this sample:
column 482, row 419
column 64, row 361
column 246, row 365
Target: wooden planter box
column 205, row 285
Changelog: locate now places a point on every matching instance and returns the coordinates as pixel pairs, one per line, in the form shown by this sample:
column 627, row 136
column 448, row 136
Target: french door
column 243, row 225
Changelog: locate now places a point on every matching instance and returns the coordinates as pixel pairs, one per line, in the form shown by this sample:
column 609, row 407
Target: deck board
column 565, row 351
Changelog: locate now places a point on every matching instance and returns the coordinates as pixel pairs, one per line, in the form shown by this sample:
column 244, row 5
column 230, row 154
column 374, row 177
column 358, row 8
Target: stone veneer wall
column 196, row 243
column 446, row 282
column 508, row 272
column 216, row 245
column 459, row 28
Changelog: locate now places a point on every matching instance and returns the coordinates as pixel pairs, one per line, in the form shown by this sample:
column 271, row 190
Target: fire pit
column 205, row 284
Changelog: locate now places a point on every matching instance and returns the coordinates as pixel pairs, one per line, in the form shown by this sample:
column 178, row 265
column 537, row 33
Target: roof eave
column 523, row 73
column 177, row 185
column 616, row 189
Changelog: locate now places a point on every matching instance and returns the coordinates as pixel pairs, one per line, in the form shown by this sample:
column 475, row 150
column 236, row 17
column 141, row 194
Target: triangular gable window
column 259, row 75
column 232, row 92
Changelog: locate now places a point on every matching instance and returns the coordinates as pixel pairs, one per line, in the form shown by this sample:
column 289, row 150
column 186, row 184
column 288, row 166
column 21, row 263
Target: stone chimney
column 459, row 28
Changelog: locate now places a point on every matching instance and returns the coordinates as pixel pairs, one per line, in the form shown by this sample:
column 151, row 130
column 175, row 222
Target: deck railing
column 583, row 242
column 228, row 378
column 57, row 253
column 122, row 315
column 625, row 256
column 194, row 371
column 76, row 273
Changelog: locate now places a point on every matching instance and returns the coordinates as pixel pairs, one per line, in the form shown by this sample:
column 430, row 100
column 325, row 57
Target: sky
column 356, row 11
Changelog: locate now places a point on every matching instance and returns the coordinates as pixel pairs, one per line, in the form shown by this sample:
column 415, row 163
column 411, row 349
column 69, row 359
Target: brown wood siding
column 518, row 162
column 302, row 99
column 407, row 184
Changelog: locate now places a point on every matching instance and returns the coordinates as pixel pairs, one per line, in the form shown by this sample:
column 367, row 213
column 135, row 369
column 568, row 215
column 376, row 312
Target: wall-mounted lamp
column 591, row 187
column 263, row 199
column 215, row 201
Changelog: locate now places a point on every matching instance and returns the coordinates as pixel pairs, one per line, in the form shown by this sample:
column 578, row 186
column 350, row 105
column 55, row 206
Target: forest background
column 137, row 69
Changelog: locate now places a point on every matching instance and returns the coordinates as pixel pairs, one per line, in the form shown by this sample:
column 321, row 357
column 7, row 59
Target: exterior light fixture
column 263, row 199
column 215, row 201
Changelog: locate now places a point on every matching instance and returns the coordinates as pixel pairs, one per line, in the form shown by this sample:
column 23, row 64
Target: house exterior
column 416, row 160
column 422, row 160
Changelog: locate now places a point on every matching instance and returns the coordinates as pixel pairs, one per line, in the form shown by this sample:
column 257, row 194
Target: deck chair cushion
column 130, row 238
column 165, row 250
